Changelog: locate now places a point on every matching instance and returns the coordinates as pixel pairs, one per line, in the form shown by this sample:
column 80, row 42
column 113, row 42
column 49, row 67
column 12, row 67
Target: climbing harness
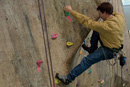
column 115, row 57
column 115, row 54
column 43, row 31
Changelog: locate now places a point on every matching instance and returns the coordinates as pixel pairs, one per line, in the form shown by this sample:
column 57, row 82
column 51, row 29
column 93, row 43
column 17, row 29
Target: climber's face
column 102, row 15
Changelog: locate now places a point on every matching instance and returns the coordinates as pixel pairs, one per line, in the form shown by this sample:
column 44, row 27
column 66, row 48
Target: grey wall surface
column 127, row 15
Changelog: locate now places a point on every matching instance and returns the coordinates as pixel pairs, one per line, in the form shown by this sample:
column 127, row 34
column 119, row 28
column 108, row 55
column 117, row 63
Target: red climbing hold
column 53, row 36
column 99, row 80
column 39, row 63
column 77, row 84
column 68, row 18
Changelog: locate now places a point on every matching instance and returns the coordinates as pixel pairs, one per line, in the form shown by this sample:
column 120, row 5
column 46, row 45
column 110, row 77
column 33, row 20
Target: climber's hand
column 68, row 8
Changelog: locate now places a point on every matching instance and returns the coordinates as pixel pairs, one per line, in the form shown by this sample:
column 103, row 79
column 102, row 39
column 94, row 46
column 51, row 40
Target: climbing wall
column 30, row 57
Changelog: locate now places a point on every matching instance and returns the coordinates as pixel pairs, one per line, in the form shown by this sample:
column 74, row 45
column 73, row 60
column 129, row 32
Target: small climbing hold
column 89, row 71
column 80, row 52
column 127, row 69
column 67, row 15
column 102, row 81
column 54, row 85
column 57, row 81
column 84, row 42
column 39, row 64
column 6, row 18
column 77, row 84
column 123, row 84
column 99, row 80
column 53, row 36
column 69, row 43
column 68, row 18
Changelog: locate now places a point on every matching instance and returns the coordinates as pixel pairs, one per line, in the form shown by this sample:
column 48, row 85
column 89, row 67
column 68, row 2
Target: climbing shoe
column 89, row 49
column 63, row 79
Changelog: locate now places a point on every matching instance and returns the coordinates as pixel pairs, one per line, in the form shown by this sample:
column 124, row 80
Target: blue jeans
column 97, row 56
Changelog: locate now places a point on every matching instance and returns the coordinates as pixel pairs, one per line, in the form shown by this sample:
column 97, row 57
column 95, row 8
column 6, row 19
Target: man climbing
column 109, row 33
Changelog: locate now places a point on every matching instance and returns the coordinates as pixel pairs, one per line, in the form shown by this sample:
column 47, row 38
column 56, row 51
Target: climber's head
column 105, row 10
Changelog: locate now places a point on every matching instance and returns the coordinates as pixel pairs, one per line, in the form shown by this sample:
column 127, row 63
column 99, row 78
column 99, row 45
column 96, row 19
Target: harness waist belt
column 117, row 49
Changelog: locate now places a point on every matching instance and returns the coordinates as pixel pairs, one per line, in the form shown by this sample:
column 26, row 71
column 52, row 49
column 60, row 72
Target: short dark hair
column 105, row 7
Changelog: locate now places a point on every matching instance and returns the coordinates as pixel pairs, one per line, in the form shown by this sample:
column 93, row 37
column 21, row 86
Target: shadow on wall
column 118, row 83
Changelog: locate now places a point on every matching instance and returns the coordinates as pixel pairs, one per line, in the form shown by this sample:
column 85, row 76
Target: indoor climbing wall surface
column 23, row 45
column 34, row 35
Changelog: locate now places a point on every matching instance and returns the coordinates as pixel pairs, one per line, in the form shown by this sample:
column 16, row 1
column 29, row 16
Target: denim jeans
column 97, row 56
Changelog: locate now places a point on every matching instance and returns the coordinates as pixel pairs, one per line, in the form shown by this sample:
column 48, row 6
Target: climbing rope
column 45, row 41
column 121, row 76
column 48, row 41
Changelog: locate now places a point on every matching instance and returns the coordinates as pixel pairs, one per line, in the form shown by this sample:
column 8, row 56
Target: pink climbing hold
column 99, row 80
column 127, row 69
column 54, row 36
column 54, row 85
column 68, row 18
column 39, row 69
column 39, row 64
column 77, row 84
